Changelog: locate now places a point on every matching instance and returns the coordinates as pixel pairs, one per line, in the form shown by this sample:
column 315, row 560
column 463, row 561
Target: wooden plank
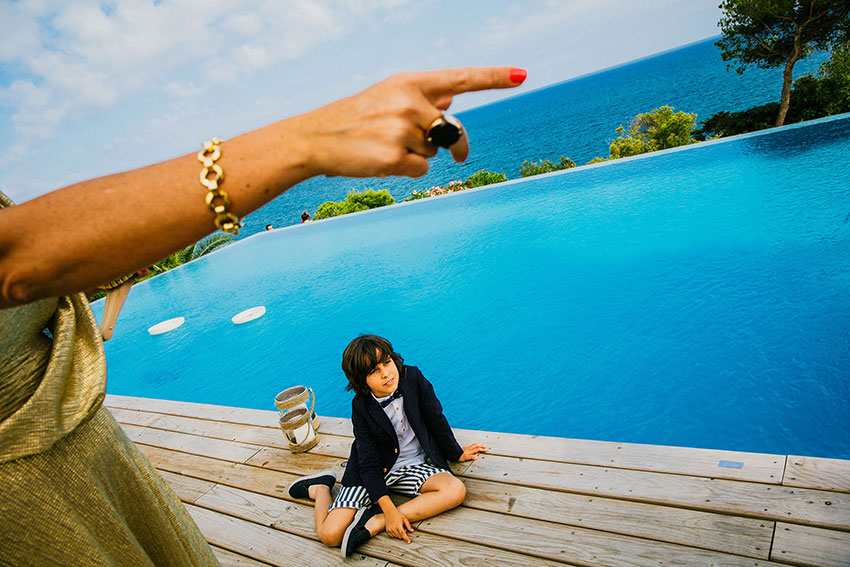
column 289, row 516
column 799, row 505
column 271, row 482
column 815, row 472
column 423, row 551
column 518, row 500
column 191, row 409
column 427, row 550
column 193, row 468
column 330, row 445
column 573, row 545
column 308, row 463
column 187, row 489
column 220, row 449
column 230, row 559
column 267, row 544
column 719, row 532
column 298, row 463
column 251, row 434
column 133, row 417
column 246, row 416
column 754, row 467
column 298, row 519
column 803, row 545
column 796, row 505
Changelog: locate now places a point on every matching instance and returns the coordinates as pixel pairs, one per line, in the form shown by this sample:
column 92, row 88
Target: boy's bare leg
column 330, row 526
column 439, row 493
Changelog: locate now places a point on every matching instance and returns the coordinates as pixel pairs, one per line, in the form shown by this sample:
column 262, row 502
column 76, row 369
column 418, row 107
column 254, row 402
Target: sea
column 696, row 297
column 693, row 297
column 576, row 118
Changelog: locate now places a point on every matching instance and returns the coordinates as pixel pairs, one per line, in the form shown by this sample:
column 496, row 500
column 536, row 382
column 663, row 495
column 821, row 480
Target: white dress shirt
column 410, row 452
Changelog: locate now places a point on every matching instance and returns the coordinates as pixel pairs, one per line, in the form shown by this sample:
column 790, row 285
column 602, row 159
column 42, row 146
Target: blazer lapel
column 377, row 413
column 411, row 406
column 407, row 397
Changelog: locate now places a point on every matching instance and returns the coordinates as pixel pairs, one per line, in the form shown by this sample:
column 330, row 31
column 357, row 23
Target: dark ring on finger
column 444, row 132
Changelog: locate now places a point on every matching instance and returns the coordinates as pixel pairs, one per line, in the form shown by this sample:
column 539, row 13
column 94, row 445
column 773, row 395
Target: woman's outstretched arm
column 91, row 232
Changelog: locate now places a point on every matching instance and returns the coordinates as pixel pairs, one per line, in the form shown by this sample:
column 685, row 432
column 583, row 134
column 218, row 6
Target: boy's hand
column 397, row 525
column 470, row 452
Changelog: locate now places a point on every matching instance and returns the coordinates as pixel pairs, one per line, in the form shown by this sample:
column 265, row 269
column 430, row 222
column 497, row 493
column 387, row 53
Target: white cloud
column 245, row 24
column 159, row 76
column 13, row 154
column 253, row 56
column 37, row 116
column 180, row 89
column 19, row 34
column 540, row 18
column 85, row 56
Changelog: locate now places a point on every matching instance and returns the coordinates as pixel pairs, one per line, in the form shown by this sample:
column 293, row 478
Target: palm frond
column 208, row 244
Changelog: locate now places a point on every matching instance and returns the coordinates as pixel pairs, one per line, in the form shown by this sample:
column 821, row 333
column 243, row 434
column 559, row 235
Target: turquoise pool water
column 698, row 297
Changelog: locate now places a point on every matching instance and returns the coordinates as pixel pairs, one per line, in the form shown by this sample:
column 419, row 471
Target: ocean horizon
column 576, row 118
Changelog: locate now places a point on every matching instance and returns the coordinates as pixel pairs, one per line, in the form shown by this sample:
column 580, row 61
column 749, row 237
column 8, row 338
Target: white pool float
column 167, row 325
column 249, row 315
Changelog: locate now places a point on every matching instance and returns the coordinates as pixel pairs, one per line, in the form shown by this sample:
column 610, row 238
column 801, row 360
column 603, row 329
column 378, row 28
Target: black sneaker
column 356, row 533
column 298, row 489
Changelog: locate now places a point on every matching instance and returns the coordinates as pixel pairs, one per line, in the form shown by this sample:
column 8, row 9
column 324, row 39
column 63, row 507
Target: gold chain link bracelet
column 217, row 200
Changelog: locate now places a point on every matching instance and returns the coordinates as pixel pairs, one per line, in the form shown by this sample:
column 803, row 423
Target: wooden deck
column 530, row 500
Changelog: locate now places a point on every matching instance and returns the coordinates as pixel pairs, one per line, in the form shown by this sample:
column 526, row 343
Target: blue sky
column 89, row 88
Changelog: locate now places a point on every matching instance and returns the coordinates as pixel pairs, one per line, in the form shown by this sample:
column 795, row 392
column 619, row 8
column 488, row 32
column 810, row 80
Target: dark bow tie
column 394, row 396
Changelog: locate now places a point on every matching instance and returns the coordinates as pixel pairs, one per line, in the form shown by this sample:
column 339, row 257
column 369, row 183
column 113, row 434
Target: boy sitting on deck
column 402, row 442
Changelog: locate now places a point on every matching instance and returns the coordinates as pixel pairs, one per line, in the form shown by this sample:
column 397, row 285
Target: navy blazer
column 375, row 447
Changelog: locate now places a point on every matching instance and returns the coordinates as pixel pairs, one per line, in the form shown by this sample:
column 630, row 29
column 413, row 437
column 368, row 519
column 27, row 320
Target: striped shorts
column 406, row 480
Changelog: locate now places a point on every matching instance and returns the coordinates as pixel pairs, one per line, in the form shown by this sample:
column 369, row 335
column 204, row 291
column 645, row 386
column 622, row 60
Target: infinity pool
column 697, row 297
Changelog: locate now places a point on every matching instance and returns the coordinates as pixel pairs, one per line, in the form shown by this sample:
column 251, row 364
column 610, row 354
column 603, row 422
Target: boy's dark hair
column 360, row 358
column 305, row 215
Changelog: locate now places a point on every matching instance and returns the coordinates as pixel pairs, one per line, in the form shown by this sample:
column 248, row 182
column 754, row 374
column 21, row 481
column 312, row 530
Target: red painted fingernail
column 518, row 75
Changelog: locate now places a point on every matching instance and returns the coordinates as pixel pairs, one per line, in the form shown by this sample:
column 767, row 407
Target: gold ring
column 444, row 132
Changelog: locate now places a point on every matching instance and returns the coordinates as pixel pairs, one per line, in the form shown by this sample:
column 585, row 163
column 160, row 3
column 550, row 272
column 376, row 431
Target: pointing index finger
column 437, row 85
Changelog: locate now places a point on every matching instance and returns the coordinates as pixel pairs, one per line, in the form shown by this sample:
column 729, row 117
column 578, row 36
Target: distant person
column 76, row 489
column 269, row 227
column 305, row 217
column 414, row 461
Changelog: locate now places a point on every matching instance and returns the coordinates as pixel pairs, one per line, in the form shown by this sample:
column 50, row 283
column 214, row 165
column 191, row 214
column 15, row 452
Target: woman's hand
column 381, row 131
column 397, row 524
column 111, row 226
column 470, row 452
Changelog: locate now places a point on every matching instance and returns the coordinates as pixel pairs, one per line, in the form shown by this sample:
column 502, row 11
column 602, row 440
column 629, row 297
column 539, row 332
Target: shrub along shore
column 659, row 129
column 811, row 97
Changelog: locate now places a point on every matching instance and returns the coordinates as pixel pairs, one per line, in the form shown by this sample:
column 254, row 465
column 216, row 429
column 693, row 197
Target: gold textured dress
column 74, row 490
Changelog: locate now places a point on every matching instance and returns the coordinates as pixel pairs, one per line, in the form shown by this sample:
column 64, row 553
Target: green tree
column 811, row 97
column 725, row 123
column 817, row 97
column 838, row 65
column 483, row 177
column 837, row 70
column 778, row 33
column 529, row 168
column 328, row 209
column 192, row 252
column 368, row 199
column 658, row 129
